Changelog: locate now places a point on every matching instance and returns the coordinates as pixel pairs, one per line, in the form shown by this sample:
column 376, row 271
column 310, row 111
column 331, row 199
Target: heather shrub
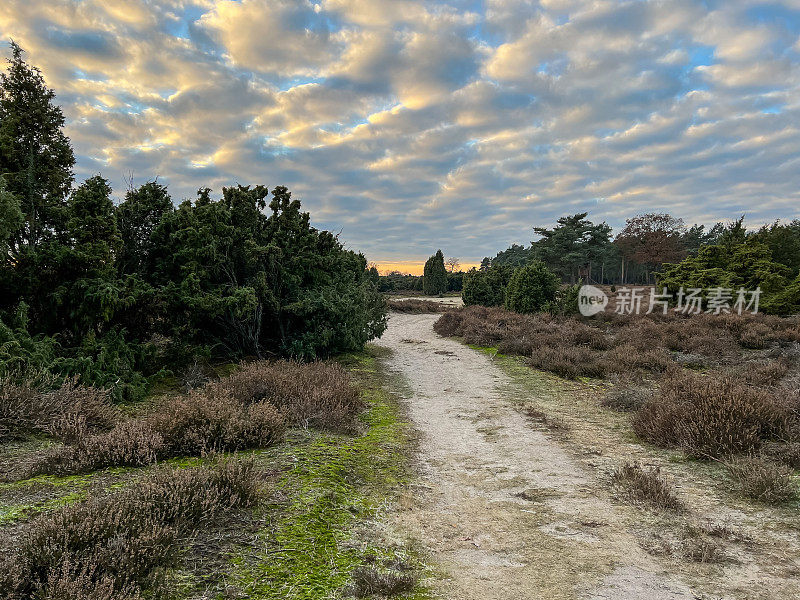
column 449, row 324
column 418, row 306
column 621, row 359
column 316, row 394
column 785, row 452
column 568, row 362
column 756, row 336
column 709, row 416
column 202, row 422
column 115, row 546
column 213, row 420
column 762, row 373
column 764, row 480
column 626, row 398
column 648, row 487
column 132, row 443
column 66, row 412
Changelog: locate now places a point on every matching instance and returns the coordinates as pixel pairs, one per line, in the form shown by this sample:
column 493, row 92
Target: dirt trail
column 505, row 511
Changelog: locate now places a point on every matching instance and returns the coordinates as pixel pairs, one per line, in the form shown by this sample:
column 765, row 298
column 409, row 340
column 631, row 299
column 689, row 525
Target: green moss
column 331, row 488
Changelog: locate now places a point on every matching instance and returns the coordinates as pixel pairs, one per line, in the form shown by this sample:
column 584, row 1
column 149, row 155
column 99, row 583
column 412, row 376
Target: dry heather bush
column 130, row 444
column 568, row 362
column 202, row 422
column 115, row 546
column 622, row 359
column 649, row 487
column 785, row 452
column 709, row 416
column 627, row 398
column 66, row 412
column 630, row 342
column 212, row 420
column 249, row 409
column 318, row 394
column 418, row 306
column 762, row 373
column 764, row 480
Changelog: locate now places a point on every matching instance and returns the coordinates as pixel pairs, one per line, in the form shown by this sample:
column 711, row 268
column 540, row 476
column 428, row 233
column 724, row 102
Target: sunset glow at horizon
column 412, row 125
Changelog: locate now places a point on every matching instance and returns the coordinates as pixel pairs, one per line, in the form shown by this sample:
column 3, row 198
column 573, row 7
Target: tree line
column 118, row 294
column 654, row 249
column 579, row 250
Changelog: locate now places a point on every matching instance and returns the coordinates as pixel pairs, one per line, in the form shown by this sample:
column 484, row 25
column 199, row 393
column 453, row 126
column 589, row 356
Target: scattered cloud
column 409, row 125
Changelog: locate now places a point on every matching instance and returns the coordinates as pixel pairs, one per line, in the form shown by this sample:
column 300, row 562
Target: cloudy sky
column 411, row 125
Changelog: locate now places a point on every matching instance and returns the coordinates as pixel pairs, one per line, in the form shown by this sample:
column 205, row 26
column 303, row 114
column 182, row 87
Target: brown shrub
column 202, row 422
column 756, row 336
column 115, row 546
column 317, row 394
column 568, row 362
column 450, row 324
column 418, row 306
column 627, row 398
column 764, row 480
column 709, row 416
column 622, row 359
column 646, row 487
column 786, row 452
column 212, row 420
column 246, row 410
column 66, row 412
column 132, row 443
column 762, row 373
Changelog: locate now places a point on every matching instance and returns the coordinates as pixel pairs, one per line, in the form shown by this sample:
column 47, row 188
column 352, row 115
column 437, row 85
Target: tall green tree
column 241, row 282
column 137, row 218
column 574, row 248
column 434, row 275
column 531, row 288
column 783, row 240
column 11, row 219
column 35, row 156
column 486, row 287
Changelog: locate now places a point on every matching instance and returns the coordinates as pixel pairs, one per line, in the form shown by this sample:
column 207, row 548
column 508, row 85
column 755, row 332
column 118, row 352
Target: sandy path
column 503, row 509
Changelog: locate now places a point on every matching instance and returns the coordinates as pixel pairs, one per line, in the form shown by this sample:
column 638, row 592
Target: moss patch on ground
column 322, row 522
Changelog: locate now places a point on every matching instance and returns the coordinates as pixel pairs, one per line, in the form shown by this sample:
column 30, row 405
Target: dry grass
column 709, row 416
column 764, row 480
column 645, row 487
column 369, row 581
column 116, row 546
column 67, row 412
column 554, row 423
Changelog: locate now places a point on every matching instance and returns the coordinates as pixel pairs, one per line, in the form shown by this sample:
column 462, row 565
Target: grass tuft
column 646, row 487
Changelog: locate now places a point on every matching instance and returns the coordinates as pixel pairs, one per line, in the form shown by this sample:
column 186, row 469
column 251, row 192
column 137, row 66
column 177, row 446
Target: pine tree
column 35, row 156
column 434, row 279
